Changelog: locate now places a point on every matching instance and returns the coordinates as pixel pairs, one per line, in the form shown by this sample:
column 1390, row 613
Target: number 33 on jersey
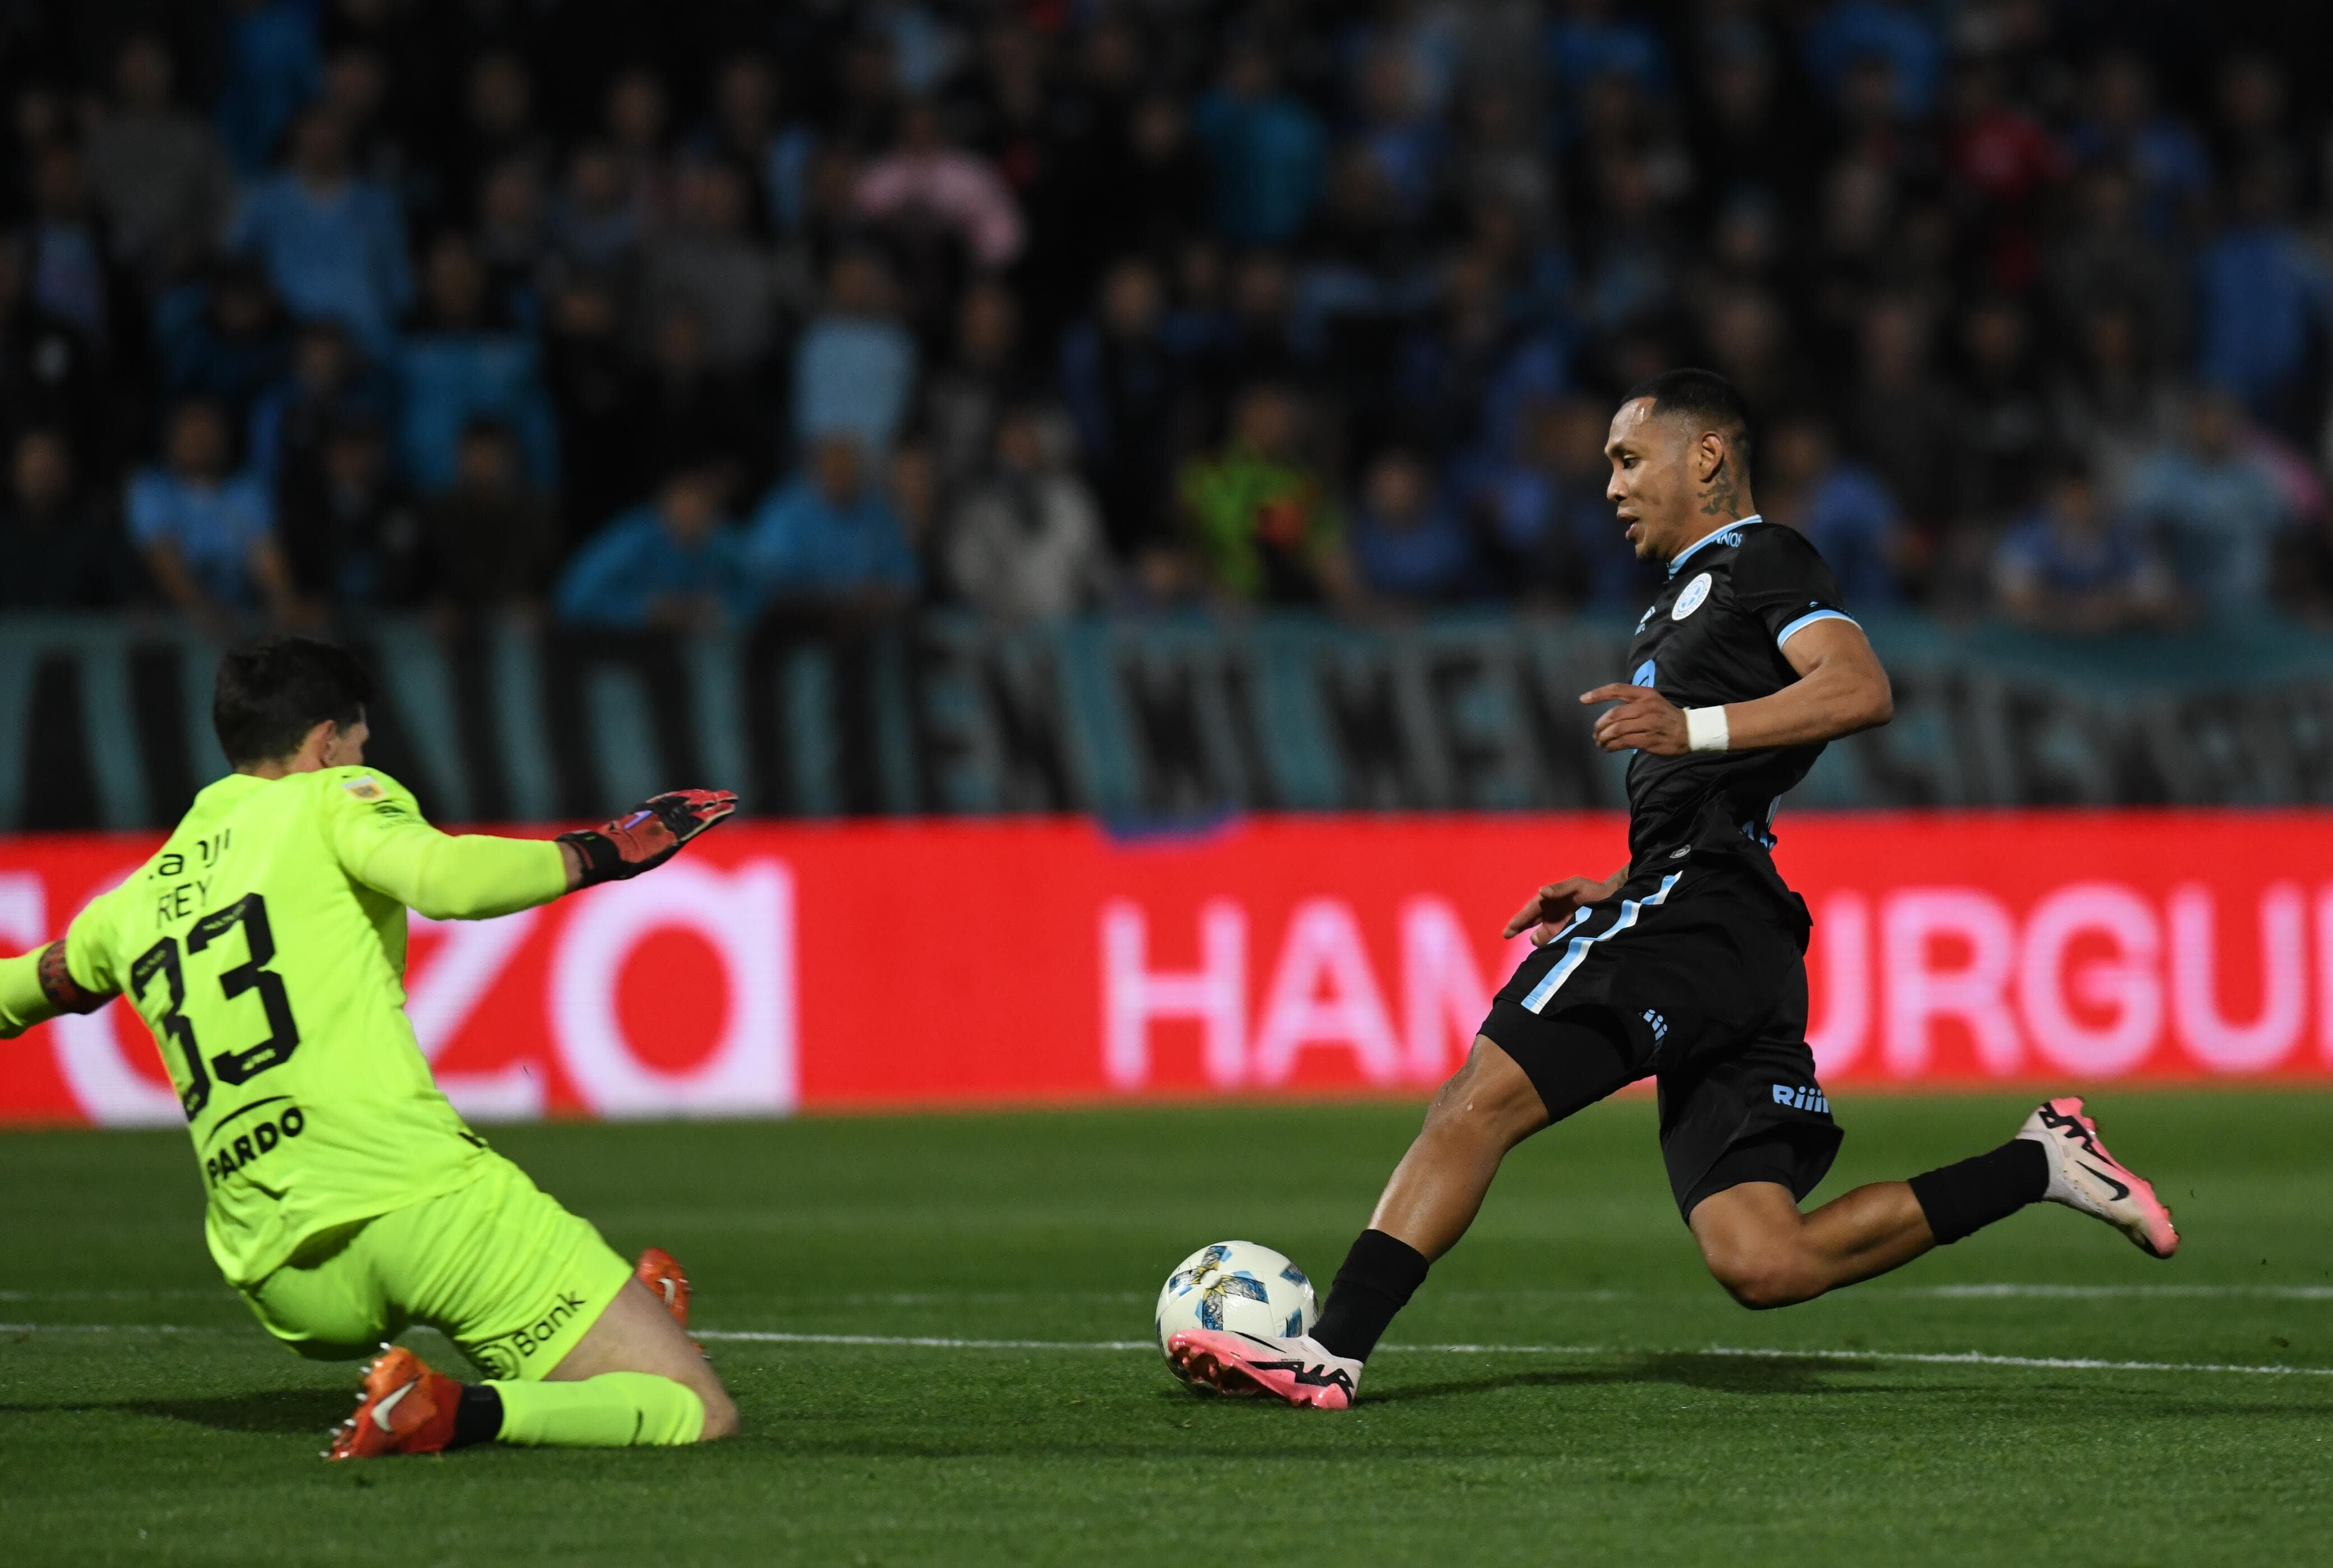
column 264, row 945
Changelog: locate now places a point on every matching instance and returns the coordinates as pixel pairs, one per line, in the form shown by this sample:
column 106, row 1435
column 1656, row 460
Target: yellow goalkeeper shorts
column 495, row 1266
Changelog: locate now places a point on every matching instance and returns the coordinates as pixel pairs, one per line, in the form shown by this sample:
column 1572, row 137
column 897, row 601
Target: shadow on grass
column 1764, row 1375
column 274, row 1410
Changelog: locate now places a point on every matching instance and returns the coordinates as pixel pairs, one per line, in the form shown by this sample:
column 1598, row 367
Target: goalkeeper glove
column 648, row 835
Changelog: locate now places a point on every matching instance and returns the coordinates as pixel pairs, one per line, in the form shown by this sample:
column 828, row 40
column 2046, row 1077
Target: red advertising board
column 776, row 968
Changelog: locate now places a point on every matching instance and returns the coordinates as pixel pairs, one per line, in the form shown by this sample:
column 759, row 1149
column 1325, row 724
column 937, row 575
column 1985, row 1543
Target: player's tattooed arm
column 1549, row 910
column 63, row 992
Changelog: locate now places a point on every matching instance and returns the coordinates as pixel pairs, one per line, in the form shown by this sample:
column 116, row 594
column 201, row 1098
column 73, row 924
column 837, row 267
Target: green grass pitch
column 144, row 1417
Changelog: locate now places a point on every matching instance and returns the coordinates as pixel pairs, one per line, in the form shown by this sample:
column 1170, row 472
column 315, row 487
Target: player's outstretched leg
column 1767, row 1254
column 1484, row 1110
column 634, row 1379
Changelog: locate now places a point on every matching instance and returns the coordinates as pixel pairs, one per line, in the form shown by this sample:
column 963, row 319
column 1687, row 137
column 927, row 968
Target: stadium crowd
column 636, row 315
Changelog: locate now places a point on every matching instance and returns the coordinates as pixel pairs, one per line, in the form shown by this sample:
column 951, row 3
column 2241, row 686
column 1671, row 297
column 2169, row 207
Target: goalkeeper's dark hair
column 1704, row 396
column 271, row 693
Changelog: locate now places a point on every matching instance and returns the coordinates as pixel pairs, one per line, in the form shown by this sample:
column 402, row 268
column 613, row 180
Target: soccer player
column 1687, row 963
column 263, row 944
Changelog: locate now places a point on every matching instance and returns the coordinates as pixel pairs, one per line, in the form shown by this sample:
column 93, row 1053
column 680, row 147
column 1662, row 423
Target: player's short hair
column 1703, row 395
column 271, row 693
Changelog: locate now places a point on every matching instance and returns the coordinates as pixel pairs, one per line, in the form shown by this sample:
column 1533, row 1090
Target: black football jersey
column 1714, row 635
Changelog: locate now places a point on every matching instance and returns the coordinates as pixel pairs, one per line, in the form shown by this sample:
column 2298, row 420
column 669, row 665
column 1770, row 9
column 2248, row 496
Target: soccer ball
column 1235, row 1284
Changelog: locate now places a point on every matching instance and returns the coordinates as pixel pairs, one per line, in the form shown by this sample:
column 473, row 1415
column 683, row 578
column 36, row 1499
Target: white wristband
column 1704, row 728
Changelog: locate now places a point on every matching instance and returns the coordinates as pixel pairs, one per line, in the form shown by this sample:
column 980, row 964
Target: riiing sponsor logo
column 505, row 1354
column 255, row 1141
column 1801, row 1097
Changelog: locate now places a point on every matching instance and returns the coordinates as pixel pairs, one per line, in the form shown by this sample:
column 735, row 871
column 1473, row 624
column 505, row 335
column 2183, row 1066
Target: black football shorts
column 1699, row 974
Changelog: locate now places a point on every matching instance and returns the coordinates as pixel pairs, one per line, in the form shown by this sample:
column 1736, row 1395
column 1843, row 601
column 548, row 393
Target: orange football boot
column 661, row 1272
column 405, row 1408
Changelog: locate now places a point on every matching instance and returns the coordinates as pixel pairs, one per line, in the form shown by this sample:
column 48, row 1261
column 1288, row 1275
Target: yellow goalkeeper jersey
column 264, row 947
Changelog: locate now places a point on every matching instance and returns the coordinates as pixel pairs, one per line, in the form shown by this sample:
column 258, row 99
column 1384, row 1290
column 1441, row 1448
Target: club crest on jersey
column 1695, row 592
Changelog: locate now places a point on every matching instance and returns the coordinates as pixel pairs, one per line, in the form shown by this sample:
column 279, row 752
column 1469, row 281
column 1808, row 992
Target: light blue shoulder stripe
column 1803, row 621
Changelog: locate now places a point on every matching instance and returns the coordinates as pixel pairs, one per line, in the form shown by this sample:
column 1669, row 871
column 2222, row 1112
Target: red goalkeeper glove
column 648, row 835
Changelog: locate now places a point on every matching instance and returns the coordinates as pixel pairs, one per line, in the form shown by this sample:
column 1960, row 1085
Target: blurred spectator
column 636, row 134
column 855, row 366
column 2123, row 130
column 2107, row 258
column 158, row 173
column 2070, row 567
column 1893, row 33
column 590, row 383
column 1025, row 542
column 967, row 395
column 207, row 534
column 681, row 409
column 594, row 226
column 2000, row 162
column 491, row 537
column 62, row 553
column 1842, row 506
column 223, row 337
column 1259, row 516
column 1547, row 532
column 272, row 61
column 2219, row 510
column 2111, row 405
column 329, row 385
column 1901, row 417
column 332, row 245
column 1586, row 40
column 674, row 562
column 48, row 374
column 924, row 185
column 1409, row 145
column 1268, row 151
column 68, row 259
column 1408, row 545
column 830, row 536
column 2265, row 310
column 456, row 367
column 352, row 535
column 2004, row 428
column 511, row 240
column 1125, row 389
column 709, row 262
column 747, row 127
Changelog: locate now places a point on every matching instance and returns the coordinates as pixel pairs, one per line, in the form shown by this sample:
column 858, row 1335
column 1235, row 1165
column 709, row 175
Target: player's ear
column 1709, row 454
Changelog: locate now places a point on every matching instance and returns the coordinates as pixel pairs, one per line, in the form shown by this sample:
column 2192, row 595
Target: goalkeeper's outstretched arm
column 478, row 876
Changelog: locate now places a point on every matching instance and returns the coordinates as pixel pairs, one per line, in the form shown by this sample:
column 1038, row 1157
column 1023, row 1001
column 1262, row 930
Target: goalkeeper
column 263, row 944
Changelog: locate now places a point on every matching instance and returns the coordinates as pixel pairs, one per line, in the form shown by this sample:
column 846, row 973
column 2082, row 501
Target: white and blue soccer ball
column 1237, row 1286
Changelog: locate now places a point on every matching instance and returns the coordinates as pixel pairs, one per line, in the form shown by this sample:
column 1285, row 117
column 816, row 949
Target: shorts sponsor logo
column 1801, row 1097
column 256, row 1142
column 505, row 1354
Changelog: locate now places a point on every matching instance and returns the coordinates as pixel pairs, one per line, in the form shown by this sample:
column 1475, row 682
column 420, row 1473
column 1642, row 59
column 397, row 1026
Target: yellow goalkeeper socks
column 612, row 1410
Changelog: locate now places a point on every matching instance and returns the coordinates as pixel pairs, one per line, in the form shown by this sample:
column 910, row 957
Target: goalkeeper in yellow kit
column 264, row 945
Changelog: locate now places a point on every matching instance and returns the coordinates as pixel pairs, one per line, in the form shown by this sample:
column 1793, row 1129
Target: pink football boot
column 1299, row 1370
column 2083, row 1175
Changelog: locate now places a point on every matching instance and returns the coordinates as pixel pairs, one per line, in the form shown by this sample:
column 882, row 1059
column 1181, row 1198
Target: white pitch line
column 1762, row 1352
column 1770, row 1353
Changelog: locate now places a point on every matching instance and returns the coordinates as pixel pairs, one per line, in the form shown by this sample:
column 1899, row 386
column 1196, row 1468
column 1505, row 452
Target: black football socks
column 1379, row 1276
column 477, row 1418
column 1963, row 1200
